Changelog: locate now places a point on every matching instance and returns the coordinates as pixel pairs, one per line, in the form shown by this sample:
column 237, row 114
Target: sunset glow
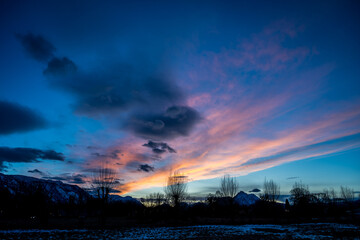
column 148, row 88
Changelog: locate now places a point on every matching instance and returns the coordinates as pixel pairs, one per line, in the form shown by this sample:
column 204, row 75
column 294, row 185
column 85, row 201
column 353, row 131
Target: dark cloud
column 255, row 190
column 113, row 154
column 66, row 177
column 36, row 171
column 118, row 91
column 130, row 86
column 98, row 155
column 290, row 178
column 37, row 46
column 16, row 118
column 108, row 89
column 92, row 147
column 27, row 155
column 146, row 168
column 111, row 89
column 139, row 166
column 60, row 67
column 159, row 147
column 77, row 179
column 175, row 121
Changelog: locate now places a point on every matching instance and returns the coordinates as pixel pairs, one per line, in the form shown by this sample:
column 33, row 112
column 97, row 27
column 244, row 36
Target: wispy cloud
column 321, row 148
column 291, row 178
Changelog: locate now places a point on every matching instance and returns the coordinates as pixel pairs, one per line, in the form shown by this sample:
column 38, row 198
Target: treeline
column 34, row 204
column 300, row 204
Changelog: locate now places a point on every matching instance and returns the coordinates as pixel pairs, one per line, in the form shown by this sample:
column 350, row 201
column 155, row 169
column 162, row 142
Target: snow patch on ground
column 293, row 231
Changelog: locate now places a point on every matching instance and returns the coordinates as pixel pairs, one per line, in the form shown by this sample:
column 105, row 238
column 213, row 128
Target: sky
column 255, row 89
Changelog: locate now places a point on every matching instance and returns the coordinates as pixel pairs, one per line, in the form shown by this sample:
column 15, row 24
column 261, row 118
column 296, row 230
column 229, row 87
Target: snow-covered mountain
column 57, row 191
column 245, row 199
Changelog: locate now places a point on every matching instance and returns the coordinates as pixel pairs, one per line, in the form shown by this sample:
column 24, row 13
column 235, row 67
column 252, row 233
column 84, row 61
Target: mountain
column 245, row 199
column 56, row 191
column 127, row 199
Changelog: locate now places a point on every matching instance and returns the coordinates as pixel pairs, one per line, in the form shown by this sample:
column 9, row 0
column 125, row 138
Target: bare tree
column 229, row 187
column 329, row 196
column 333, row 195
column 347, row 194
column 271, row 191
column 103, row 182
column 300, row 194
column 176, row 188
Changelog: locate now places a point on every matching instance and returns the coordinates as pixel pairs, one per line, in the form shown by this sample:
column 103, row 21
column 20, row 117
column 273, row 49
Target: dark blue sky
column 254, row 89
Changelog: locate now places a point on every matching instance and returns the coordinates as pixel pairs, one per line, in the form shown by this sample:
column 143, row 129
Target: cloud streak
column 329, row 146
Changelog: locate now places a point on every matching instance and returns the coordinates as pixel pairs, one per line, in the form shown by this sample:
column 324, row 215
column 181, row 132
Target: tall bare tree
column 229, row 187
column 176, row 188
column 271, row 191
column 103, row 182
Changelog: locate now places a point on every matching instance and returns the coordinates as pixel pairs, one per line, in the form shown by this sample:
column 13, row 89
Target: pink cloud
column 199, row 100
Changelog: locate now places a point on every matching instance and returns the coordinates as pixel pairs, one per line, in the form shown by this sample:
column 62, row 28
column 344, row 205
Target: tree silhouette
column 271, row 191
column 103, row 182
column 228, row 186
column 176, row 188
column 300, row 194
column 347, row 194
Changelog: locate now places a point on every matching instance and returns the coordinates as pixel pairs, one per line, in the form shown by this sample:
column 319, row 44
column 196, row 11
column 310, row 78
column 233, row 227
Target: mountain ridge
column 56, row 190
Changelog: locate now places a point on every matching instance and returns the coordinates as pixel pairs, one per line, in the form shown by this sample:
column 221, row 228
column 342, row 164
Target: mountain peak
column 245, row 199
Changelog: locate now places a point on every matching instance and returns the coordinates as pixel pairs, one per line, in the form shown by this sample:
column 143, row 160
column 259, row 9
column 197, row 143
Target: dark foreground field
column 292, row 231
